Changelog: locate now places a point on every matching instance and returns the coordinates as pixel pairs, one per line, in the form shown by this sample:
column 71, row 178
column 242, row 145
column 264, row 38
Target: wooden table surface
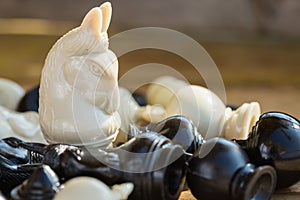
column 267, row 72
column 292, row 193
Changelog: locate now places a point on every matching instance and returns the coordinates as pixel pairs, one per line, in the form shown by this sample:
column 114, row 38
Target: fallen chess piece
column 162, row 89
column 275, row 141
column 17, row 163
column 179, row 129
column 150, row 161
column 222, row 170
column 21, row 125
column 89, row 188
column 10, row 93
column 204, row 108
column 131, row 113
column 155, row 165
column 79, row 95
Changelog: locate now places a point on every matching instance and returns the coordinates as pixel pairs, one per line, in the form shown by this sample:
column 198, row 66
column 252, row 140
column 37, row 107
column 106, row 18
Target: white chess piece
column 131, row 113
column 162, row 89
column 208, row 112
column 89, row 188
column 79, row 95
column 24, row 126
column 10, row 93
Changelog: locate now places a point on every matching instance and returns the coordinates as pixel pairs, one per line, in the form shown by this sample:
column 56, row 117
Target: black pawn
column 41, row 185
column 275, row 141
column 222, row 170
column 140, row 98
column 30, row 101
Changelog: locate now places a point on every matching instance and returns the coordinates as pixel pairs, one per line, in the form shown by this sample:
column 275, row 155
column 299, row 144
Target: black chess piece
column 30, row 101
column 155, row 165
column 43, row 184
column 140, row 98
column 150, row 161
column 275, row 140
column 221, row 170
column 15, row 164
column 180, row 130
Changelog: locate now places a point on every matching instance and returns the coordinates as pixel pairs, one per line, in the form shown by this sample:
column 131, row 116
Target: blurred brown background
column 255, row 43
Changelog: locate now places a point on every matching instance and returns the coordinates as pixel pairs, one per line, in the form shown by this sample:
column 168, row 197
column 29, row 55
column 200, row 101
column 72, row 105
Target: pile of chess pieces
column 78, row 135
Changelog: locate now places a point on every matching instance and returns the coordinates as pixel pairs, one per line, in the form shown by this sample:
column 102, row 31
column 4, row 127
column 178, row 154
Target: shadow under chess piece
column 43, row 184
column 222, row 170
column 275, row 140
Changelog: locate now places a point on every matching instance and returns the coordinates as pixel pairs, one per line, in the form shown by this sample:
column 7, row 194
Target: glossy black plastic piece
column 275, row 140
column 140, row 98
column 221, row 170
column 151, row 161
column 15, row 165
column 43, row 184
column 180, row 130
column 30, row 101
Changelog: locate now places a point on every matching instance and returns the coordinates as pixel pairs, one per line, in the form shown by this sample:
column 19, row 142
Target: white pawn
column 88, row 188
column 24, row 126
column 208, row 112
column 131, row 113
column 162, row 89
column 79, row 95
column 10, row 93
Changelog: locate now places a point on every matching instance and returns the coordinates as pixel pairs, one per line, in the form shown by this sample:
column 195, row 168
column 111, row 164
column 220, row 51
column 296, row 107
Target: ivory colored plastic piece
column 162, row 89
column 24, row 126
column 88, row 188
column 131, row 113
column 239, row 123
column 10, row 93
column 209, row 113
column 79, row 95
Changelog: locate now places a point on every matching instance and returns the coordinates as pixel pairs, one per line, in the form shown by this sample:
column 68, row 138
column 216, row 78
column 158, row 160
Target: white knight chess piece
column 79, row 95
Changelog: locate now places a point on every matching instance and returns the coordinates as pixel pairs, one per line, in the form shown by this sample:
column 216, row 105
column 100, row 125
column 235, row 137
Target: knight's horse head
column 82, row 71
column 92, row 68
